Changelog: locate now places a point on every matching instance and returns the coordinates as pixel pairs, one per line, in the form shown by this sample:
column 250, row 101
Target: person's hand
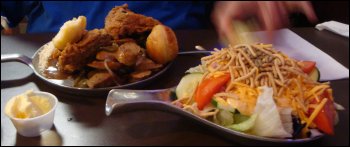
column 4, row 24
column 7, row 31
column 270, row 15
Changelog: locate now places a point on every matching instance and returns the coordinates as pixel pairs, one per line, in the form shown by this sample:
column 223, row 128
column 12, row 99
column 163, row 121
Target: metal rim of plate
column 236, row 136
column 124, row 100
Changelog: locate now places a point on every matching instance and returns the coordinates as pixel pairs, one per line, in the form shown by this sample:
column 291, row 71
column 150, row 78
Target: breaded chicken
column 121, row 22
column 77, row 55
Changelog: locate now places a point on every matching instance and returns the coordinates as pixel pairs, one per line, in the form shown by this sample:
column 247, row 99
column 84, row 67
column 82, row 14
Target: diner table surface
column 81, row 120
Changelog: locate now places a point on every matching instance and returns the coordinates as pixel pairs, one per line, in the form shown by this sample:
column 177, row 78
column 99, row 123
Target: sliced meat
column 145, row 64
column 128, row 53
column 100, row 79
column 100, row 65
column 140, row 74
column 104, row 55
column 121, row 22
column 75, row 56
column 111, row 48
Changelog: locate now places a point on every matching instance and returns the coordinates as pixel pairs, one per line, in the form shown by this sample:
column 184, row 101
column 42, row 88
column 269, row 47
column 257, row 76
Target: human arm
column 270, row 15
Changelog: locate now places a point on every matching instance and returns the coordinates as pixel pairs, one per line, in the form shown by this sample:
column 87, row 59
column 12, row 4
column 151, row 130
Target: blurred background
column 325, row 11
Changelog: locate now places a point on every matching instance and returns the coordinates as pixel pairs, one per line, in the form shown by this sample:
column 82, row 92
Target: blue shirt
column 49, row 16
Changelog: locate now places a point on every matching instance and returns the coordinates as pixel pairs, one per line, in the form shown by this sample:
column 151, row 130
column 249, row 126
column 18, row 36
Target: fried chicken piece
column 121, row 22
column 77, row 55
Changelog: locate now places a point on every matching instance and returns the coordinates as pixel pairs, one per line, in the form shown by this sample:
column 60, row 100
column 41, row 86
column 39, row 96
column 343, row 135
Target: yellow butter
column 27, row 105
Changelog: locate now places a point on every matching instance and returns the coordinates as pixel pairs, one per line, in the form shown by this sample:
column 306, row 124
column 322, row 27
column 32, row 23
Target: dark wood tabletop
column 81, row 120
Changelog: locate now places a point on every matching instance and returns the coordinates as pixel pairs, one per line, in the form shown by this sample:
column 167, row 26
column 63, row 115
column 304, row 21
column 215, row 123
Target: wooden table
column 81, row 120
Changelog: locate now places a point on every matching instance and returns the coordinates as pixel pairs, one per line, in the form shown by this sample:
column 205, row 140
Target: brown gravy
column 53, row 72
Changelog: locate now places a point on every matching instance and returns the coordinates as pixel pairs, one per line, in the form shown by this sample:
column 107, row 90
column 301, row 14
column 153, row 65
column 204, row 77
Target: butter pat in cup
column 32, row 112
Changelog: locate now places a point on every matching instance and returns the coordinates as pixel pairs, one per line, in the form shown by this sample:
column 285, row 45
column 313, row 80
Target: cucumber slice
column 224, row 118
column 239, row 118
column 223, row 105
column 315, row 75
column 188, row 85
column 214, row 103
column 245, row 125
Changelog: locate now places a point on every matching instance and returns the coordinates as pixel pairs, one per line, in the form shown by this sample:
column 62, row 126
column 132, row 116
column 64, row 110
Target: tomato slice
column 308, row 66
column 325, row 118
column 207, row 88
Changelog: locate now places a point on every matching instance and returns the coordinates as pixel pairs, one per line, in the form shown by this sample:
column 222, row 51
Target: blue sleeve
column 49, row 16
column 15, row 11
